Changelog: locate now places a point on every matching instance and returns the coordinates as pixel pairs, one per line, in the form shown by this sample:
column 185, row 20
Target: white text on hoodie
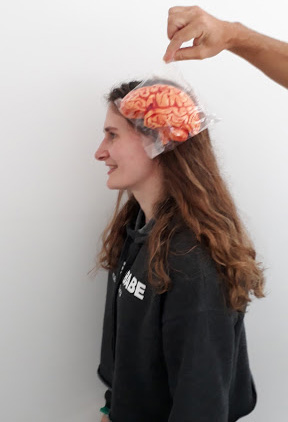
column 134, row 286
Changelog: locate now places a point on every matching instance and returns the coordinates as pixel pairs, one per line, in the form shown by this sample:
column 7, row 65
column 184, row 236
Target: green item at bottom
column 105, row 410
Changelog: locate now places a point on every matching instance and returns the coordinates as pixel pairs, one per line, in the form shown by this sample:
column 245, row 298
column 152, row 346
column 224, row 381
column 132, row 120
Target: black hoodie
column 180, row 356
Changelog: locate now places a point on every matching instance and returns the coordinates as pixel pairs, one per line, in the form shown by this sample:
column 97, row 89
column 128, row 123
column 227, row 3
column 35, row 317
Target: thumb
column 197, row 52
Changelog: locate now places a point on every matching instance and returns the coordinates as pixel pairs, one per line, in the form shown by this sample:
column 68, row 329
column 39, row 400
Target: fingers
column 191, row 53
column 177, row 9
column 171, row 50
column 185, row 34
column 175, row 23
column 184, row 9
column 209, row 34
column 180, row 16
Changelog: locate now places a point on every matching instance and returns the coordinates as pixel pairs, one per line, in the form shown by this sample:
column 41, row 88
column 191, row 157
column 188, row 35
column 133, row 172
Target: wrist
column 242, row 40
column 233, row 34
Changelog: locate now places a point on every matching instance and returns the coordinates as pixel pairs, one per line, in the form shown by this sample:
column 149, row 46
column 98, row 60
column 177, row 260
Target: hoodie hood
column 137, row 229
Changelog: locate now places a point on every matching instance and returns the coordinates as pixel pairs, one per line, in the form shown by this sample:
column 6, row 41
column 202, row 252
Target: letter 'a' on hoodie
column 176, row 357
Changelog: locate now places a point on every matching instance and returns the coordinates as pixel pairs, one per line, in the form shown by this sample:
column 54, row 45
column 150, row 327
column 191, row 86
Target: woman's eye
column 112, row 135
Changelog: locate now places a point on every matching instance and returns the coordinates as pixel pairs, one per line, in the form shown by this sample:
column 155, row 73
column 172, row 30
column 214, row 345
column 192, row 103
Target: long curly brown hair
column 195, row 191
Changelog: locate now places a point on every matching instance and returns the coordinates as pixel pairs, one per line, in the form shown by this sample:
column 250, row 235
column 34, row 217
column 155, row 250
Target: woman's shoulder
column 184, row 243
column 193, row 271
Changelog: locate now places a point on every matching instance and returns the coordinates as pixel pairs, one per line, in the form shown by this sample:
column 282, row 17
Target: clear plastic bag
column 165, row 110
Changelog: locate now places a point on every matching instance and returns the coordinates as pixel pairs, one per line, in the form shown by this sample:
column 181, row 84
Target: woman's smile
column 112, row 169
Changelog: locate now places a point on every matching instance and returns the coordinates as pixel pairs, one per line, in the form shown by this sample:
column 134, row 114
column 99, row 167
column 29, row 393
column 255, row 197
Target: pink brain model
column 165, row 108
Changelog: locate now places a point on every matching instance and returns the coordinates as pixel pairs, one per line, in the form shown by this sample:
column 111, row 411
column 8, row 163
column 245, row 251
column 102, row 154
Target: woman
column 181, row 267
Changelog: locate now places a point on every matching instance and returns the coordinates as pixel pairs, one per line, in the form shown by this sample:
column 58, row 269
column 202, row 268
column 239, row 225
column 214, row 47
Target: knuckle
column 204, row 19
column 171, row 10
column 198, row 13
column 195, row 9
column 180, row 55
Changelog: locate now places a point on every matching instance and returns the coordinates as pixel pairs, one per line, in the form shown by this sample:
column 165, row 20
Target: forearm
column 267, row 54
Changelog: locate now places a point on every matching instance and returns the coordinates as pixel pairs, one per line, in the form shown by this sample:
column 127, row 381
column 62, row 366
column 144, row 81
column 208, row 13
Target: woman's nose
column 101, row 153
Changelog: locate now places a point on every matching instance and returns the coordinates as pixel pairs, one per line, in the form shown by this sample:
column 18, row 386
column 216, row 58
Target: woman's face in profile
column 122, row 147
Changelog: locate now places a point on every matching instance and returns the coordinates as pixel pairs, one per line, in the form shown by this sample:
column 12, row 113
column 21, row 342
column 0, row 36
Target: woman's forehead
column 115, row 119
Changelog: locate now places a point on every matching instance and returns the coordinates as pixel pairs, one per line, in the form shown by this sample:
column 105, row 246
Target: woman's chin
column 114, row 185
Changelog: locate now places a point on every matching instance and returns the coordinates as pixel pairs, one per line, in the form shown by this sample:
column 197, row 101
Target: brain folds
column 163, row 107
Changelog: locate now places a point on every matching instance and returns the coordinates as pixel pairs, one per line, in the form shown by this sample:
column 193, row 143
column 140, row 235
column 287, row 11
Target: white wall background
column 58, row 58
